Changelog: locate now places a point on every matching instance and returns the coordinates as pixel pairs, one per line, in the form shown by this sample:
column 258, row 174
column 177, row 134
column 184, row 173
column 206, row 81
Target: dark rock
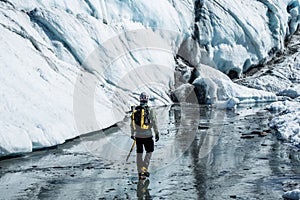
column 203, row 127
column 263, row 158
column 247, row 136
column 268, row 130
column 256, row 132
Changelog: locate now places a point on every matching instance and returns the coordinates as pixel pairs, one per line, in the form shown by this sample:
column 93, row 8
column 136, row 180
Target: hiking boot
column 145, row 172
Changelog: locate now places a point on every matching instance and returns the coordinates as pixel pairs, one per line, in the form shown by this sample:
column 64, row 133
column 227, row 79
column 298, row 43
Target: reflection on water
column 202, row 154
column 142, row 190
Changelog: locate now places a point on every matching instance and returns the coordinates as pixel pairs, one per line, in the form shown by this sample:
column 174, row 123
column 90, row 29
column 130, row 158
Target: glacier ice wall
column 236, row 35
column 69, row 68
column 72, row 67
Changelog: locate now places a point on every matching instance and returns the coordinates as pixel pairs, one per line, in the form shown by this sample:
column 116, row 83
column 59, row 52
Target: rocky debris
column 247, row 136
column 290, row 185
column 254, row 133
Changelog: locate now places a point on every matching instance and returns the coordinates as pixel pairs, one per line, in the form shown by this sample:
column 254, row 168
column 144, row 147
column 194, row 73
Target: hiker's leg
column 139, row 154
column 149, row 147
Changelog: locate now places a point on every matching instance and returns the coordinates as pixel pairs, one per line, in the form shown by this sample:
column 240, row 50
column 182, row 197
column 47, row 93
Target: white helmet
column 144, row 97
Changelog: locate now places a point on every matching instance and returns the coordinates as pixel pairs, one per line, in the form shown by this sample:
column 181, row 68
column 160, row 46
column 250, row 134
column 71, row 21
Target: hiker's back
column 141, row 118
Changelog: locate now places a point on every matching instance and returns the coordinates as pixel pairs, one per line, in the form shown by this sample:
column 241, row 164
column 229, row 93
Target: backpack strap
column 132, row 118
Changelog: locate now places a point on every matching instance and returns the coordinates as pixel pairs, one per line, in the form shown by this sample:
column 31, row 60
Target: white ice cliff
column 239, row 34
column 72, row 67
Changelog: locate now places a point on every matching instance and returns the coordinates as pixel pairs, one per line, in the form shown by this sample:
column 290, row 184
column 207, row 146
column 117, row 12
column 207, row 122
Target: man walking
column 142, row 123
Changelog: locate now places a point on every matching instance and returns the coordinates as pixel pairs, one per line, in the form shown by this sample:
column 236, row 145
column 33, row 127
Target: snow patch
column 287, row 123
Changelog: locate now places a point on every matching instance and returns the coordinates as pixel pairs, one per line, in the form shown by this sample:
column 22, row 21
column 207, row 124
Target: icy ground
column 228, row 155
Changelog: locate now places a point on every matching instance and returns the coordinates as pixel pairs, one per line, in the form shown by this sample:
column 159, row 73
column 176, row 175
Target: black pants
column 148, row 143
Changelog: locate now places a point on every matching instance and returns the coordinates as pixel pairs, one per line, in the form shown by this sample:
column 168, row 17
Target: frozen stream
column 216, row 154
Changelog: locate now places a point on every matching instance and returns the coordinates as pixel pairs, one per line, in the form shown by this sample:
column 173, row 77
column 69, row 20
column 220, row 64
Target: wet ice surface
column 216, row 154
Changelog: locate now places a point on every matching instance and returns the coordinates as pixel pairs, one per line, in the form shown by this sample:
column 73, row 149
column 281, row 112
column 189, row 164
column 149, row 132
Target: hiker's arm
column 154, row 125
